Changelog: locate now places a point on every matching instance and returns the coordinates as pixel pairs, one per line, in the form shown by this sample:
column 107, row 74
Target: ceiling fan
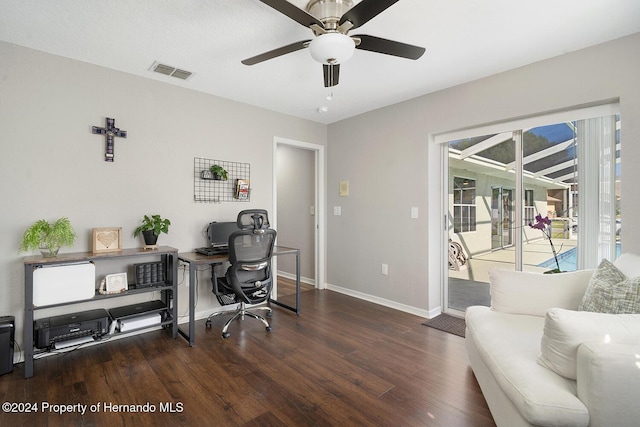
column 332, row 45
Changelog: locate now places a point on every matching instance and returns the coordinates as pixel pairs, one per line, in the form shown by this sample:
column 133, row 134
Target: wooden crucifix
column 110, row 131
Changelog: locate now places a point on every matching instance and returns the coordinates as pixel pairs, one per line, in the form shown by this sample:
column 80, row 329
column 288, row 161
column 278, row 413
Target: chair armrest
column 608, row 382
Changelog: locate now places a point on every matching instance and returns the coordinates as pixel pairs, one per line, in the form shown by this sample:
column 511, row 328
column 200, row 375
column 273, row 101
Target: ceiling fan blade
column 276, row 52
column 389, row 47
column 331, row 74
column 297, row 14
column 364, row 11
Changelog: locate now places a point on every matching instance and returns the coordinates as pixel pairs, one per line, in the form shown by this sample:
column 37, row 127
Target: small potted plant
column 48, row 237
column 219, row 173
column 151, row 228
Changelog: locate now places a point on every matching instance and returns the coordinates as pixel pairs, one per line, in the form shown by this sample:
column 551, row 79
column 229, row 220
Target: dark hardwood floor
column 342, row 362
column 288, row 286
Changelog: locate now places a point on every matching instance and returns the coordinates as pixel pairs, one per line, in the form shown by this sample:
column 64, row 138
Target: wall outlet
column 385, row 270
column 337, row 210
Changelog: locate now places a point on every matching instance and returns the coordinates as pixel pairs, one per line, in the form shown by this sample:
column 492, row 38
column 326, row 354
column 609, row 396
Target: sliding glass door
column 565, row 172
column 502, row 217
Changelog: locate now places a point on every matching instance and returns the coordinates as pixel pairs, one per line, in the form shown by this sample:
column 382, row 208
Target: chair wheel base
column 268, row 328
column 207, row 324
column 225, row 335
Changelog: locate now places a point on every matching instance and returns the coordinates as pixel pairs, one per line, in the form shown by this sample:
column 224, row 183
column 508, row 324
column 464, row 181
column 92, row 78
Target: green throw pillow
column 610, row 291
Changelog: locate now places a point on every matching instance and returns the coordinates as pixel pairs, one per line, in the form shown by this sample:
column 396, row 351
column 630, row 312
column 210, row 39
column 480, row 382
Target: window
column 464, row 205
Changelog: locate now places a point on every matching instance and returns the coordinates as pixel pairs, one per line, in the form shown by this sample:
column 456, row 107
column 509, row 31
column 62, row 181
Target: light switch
column 385, row 270
column 414, row 212
column 312, row 210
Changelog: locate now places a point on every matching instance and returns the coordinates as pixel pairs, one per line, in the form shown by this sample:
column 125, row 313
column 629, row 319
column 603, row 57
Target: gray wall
column 392, row 164
column 51, row 165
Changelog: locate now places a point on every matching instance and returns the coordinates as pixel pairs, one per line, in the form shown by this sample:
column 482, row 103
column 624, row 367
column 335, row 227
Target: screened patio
column 489, row 220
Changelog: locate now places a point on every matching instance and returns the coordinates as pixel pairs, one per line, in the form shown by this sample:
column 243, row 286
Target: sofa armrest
column 608, row 382
column 522, row 292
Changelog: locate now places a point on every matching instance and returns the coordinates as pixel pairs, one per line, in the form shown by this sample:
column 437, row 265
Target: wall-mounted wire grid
column 207, row 190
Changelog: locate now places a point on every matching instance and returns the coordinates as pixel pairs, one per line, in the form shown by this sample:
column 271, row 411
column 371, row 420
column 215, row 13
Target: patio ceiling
column 549, row 154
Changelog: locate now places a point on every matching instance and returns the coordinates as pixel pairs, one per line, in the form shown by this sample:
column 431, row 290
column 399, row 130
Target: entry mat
column 447, row 323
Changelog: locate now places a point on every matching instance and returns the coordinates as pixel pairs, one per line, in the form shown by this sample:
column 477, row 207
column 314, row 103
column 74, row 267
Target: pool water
column 569, row 260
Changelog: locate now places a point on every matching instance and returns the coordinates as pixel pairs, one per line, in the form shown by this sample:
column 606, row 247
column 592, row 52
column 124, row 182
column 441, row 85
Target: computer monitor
column 219, row 232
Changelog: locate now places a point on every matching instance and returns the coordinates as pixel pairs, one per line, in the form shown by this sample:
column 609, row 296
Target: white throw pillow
column 565, row 330
column 522, row 292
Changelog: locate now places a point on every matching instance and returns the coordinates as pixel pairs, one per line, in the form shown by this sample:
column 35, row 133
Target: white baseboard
column 305, row 280
column 428, row 314
column 385, row 302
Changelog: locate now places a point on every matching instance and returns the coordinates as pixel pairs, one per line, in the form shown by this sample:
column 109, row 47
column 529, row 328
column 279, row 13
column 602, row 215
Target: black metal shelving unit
column 169, row 292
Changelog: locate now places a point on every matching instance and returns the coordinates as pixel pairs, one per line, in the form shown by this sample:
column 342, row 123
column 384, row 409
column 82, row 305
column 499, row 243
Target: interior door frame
column 320, row 218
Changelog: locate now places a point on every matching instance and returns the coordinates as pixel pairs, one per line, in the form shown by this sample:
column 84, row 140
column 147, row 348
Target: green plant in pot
column 48, row 237
column 151, row 228
column 218, row 172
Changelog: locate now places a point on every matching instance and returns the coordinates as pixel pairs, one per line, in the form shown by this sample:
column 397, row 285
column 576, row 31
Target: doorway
column 498, row 184
column 298, row 208
column 501, row 217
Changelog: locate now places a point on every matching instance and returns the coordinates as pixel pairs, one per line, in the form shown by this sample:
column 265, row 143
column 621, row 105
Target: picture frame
column 116, row 283
column 107, row 239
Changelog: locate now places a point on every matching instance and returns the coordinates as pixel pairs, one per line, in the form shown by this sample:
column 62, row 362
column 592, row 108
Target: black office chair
column 248, row 279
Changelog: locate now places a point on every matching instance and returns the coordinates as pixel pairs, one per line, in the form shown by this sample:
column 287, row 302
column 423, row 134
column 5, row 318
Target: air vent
column 171, row 71
column 181, row 74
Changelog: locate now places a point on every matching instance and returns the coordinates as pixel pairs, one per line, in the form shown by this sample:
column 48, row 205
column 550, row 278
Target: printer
column 70, row 329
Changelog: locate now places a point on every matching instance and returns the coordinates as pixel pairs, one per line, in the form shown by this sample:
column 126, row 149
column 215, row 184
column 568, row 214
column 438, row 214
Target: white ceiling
column 464, row 40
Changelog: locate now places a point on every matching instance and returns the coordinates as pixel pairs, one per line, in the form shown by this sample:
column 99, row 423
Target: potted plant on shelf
column 219, row 173
column 48, row 237
column 151, row 228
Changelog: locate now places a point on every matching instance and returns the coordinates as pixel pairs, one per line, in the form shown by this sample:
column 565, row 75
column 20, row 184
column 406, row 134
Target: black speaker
column 7, row 336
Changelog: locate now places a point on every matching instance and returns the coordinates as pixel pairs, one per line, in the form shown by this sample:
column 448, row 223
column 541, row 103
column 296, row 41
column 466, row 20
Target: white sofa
column 540, row 362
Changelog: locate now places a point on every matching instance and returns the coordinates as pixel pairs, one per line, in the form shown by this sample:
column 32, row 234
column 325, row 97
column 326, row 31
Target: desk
column 195, row 259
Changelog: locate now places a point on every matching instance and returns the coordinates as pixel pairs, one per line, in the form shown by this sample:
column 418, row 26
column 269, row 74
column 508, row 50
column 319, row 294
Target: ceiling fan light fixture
column 332, row 48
